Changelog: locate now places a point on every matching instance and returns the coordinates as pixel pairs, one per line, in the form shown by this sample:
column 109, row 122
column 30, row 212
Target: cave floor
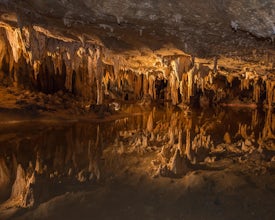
column 199, row 195
column 18, row 105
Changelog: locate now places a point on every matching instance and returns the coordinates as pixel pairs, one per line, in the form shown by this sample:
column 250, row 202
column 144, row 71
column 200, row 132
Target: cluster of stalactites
column 187, row 77
column 257, row 82
column 36, row 49
column 88, row 70
column 92, row 71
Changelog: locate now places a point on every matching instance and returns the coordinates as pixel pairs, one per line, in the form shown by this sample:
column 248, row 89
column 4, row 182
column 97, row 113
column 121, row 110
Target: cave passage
column 129, row 109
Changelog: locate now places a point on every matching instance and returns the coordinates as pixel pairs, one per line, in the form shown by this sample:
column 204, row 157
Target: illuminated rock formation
column 64, row 49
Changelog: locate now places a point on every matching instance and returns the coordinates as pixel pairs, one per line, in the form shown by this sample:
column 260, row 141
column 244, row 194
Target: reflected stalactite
column 174, row 141
column 243, row 129
column 22, row 193
column 255, row 118
column 180, row 143
column 188, row 145
column 269, row 126
column 38, row 164
column 256, row 91
column 150, row 122
column 5, row 176
column 19, row 186
column 188, row 127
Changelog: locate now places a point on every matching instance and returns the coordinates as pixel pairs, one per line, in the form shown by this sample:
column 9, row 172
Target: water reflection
column 39, row 161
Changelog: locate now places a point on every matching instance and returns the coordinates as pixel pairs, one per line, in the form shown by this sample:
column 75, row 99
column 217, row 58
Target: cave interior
column 172, row 98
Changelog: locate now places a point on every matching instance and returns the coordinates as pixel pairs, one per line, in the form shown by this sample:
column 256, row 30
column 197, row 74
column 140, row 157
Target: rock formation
column 110, row 51
column 93, row 56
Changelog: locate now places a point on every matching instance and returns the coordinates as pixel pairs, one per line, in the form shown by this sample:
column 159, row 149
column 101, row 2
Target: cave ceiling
column 237, row 32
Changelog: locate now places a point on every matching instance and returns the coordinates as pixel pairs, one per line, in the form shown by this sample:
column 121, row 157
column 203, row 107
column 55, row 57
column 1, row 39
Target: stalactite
column 184, row 89
column 245, row 82
column 3, row 47
column 190, row 75
column 43, row 54
column 69, row 72
column 145, row 85
column 175, row 70
column 99, row 74
column 152, row 89
column 14, row 39
column 270, row 93
column 138, row 86
column 256, row 91
column 106, row 78
column 174, row 85
column 203, row 77
column 116, row 66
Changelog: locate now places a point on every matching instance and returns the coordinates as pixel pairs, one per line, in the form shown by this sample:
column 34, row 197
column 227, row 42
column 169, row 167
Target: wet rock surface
column 29, row 105
column 164, row 154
